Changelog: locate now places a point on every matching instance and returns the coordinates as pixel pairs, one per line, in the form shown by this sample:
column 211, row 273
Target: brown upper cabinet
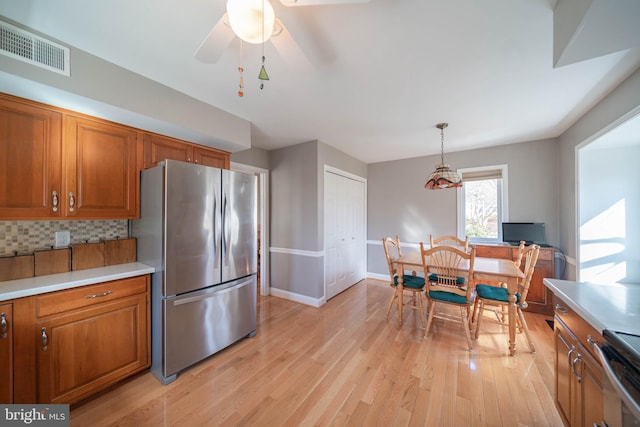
column 101, row 174
column 55, row 165
column 30, row 160
column 159, row 147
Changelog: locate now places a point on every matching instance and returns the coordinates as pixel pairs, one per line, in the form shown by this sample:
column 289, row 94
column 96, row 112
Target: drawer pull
column 560, row 309
column 45, row 339
column 104, row 294
column 3, row 326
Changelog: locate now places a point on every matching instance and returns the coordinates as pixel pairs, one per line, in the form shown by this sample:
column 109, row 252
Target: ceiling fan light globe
column 245, row 19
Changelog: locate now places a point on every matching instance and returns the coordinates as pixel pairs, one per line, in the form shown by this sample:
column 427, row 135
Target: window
column 482, row 203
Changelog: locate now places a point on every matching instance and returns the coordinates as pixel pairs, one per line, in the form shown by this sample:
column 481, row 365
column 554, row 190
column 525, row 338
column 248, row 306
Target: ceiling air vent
column 25, row 46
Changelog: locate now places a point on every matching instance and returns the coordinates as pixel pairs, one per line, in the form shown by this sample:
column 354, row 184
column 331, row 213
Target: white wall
column 609, row 208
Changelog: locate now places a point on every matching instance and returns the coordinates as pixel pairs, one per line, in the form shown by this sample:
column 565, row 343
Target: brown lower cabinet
column 578, row 376
column 6, row 353
column 76, row 342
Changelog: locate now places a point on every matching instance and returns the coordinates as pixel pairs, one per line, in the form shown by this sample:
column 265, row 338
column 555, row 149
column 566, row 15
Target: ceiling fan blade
column 216, row 42
column 319, row 2
column 288, row 49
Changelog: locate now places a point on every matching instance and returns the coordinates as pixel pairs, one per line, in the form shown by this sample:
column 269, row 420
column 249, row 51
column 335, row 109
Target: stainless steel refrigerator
column 197, row 227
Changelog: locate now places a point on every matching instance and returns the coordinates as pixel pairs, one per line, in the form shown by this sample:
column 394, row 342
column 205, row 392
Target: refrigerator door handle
column 209, row 294
column 225, row 228
column 216, row 233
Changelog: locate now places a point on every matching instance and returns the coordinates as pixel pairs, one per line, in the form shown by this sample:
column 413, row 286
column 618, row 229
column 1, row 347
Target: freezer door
column 202, row 323
column 239, row 231
column 192, row 227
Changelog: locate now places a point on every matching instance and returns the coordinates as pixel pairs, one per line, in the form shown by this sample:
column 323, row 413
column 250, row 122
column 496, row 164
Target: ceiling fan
column 226, row 29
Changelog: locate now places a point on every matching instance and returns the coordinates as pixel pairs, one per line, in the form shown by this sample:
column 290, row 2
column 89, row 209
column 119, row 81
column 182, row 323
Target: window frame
column 503, row 205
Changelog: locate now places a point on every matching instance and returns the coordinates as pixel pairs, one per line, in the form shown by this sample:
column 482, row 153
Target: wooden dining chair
column 450, row 273
column 449, row 241
column 498, row 296
column 412, row 283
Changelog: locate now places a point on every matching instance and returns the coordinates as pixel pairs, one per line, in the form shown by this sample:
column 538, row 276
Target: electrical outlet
column 63, row 238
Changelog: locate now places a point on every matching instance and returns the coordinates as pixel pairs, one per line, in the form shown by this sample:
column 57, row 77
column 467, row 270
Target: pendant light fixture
column 443, row 176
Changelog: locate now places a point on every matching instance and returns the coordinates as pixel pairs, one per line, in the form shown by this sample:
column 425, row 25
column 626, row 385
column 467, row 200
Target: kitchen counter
column 55, row 282
column 611, row 306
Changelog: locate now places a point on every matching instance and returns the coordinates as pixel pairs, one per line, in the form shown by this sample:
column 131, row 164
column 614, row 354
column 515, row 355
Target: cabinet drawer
column 503, row 252
column 576, row 324
column 85, row 296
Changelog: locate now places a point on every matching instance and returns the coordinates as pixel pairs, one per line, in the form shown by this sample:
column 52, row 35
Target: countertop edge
column 581, row 311
column 21, row 288
column 614, row 306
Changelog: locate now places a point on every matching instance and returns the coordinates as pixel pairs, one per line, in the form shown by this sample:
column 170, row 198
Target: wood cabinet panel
column 87, row 350
column 6, row 353
column 101, row 173
column 158, row 148
column 211, row 157
column 85, row 344
column 30, row 160
column 578, row 378
column 539, row 296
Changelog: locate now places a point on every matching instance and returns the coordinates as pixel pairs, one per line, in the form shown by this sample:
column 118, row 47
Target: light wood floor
column 344, row 364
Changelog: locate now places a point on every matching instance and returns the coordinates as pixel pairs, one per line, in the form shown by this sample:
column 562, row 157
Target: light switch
column 63, row 238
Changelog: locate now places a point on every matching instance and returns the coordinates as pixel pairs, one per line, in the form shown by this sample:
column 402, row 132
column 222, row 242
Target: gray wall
column 102, row 89
column 621, row 103
column 297, row 216
column 399, row 204
column 256, row 157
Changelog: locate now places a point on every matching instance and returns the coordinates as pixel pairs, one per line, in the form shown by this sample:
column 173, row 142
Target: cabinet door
column 590, row 384
column 6, row 353
column 211, row 157
column 101, row 173
column 30, row 161
column 539, row 296
column 158, row 148
column 86, row 350
column 564, row 393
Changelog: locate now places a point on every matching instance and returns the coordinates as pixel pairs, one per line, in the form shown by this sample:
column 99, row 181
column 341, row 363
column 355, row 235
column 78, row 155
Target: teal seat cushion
column 409, row 281
column 448, row 297
column 495, row 293
column 434, row 278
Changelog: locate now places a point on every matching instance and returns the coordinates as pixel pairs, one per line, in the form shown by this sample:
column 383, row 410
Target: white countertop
column 12, row 289
column 604, row 306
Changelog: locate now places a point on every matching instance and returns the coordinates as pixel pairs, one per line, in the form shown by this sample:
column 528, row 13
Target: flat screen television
column 530, row 232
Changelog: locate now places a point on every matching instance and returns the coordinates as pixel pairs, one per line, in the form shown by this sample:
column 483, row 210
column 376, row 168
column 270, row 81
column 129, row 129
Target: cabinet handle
column 72, row 202
column 573, row 367
column 189, row 159
column 104, row 294
column 3, row 326
column 45, row 339
column 601, row 424
column 196, row 161
column 560, row 309
column 55, row 201
column 569, row 353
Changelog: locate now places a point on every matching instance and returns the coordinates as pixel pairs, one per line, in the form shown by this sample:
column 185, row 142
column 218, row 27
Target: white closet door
column 344, row 232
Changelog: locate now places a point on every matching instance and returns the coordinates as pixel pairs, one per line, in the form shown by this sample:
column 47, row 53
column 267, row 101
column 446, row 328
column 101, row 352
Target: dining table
column 484, row 270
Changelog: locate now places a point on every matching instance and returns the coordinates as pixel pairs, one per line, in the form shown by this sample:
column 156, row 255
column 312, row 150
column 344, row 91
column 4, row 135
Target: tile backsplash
column 26, row 236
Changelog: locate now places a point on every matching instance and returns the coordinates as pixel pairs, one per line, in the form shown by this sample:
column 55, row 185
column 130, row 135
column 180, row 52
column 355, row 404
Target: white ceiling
column 383, row 73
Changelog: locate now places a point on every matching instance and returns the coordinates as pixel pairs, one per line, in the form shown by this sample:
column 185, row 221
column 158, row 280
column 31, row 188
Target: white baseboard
column 303, row 299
